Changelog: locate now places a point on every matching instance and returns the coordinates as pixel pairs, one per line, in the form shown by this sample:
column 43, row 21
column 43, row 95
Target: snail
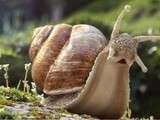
column 77, row 64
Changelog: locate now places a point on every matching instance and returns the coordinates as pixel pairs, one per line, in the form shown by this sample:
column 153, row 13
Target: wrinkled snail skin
column 63, row 59
column 106, row 92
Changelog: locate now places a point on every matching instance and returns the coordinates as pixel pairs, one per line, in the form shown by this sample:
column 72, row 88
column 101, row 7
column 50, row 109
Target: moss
column 7, row 51
column 35, row 112
column 9, row 115
column 15, row 95
column 4, row 101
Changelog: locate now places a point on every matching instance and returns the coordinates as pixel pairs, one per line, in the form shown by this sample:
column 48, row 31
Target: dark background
column 18, row 18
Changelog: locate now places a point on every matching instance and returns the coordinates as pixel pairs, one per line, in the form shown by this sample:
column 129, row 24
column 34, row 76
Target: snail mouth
column 122, row 61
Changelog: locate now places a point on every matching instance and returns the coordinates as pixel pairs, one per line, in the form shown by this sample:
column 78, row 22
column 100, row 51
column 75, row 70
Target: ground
column 16, row 104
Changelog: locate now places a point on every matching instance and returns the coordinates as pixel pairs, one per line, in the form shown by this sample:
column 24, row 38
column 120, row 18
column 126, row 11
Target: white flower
column 27, row 66
column 33, row 85
column 5, row 66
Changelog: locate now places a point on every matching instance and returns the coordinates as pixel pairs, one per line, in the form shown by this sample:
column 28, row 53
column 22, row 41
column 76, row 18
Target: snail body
column 78, row 64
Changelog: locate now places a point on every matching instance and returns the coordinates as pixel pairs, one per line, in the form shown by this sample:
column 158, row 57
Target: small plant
column 33, row 88
column 18, row 85
column 14, row 95
column 25, row 82
column 6, row 76
column 28, row 88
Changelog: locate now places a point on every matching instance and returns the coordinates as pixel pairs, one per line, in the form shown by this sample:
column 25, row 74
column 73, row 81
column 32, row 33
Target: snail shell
column 63, row 56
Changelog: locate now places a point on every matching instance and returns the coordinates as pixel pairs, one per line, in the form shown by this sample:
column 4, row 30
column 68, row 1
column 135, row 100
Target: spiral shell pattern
column 63, row 55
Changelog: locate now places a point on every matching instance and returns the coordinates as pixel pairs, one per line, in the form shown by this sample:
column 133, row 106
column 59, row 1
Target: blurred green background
column 18, row 18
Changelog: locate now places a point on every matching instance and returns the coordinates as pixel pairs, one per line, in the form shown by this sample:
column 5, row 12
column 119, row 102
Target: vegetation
column 6, row 114
column 17, row 105
column 13, row 95
column 105, row 13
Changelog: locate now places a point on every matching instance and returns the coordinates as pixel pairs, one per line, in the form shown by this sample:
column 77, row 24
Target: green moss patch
column 14, row 95
column 9, row 115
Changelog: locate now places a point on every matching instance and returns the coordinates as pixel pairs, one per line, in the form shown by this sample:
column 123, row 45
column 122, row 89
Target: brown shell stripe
column 39, row 36
column 48, row 52
column 74, row 62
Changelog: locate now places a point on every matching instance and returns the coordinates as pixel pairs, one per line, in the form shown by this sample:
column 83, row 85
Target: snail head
column 123, row 47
